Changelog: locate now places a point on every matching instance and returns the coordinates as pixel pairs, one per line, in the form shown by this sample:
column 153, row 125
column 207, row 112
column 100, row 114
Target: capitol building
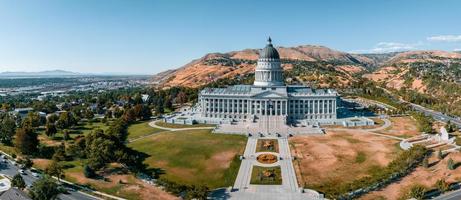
column 268, row 98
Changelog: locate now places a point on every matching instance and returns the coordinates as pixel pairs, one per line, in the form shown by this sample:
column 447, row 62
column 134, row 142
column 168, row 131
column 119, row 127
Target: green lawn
column 259, row 176
column 194, row 157
column 168, row 125
column 140, row 129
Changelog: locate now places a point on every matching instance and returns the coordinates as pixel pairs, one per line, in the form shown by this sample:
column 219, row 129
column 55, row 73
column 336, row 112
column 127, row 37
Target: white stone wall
column 309, row 108
column 268, row 73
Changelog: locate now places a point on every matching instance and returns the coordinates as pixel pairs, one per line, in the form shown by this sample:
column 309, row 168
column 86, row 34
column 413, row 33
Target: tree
column 108, row 114
column 99, row 149
column 32, row 119
column 65, row 134
column 129, row 115
column 197, row 192
column 66, row 120
column 18, row 182
column 88, row 172
column 440, row 155
column 181, row 98
column 50, row 129
column 26, row 141
column 7, row 129
column 52, row 118
column 450, row 127
column 142, row 111
column 89, row 114
column 442, row 185
column 451, row 164
column 44, row 189
column 60, row 153
column 27, row 162
column 55, row 169
column 117, row 112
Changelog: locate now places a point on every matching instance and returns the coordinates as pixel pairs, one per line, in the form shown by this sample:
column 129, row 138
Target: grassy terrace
column 267, row 145
column 192, row 157
column 140, row 129
column 168, row 125
column 266, row 175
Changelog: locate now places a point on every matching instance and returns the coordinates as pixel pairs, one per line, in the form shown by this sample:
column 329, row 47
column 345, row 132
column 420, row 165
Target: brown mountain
column 216, row 66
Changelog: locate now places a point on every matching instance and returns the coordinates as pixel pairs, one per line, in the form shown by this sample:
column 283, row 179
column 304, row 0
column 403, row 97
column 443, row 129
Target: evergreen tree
column 18, row 182
column 50, row 129
column 44, row 189
column 26, row 141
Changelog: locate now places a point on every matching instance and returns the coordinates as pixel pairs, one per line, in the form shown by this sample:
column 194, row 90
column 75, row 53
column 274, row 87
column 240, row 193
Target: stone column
column 265, row 107
column 318, row 106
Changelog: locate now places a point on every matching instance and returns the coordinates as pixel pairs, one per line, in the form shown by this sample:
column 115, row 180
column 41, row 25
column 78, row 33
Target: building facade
column 269, row 97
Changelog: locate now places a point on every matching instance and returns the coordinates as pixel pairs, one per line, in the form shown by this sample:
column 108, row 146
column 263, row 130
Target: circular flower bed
column 267, row 158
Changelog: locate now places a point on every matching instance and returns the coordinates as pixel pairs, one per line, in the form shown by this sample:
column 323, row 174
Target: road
column 454, row 195
column 435, row 114
column 10, row 170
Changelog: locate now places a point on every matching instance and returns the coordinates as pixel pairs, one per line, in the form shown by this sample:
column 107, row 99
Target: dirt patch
column 421, row 175
column 340, row 156
column 221, row 160
column 41, row 163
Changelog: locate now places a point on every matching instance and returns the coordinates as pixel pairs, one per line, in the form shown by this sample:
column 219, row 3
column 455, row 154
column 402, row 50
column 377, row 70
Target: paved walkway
column 289, row 189
column 153, row 124
column 387, row 123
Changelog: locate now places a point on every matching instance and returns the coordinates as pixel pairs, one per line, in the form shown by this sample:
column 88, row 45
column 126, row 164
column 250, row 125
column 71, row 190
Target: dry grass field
column 424, row 176
column 404, row 127
column 339, row 156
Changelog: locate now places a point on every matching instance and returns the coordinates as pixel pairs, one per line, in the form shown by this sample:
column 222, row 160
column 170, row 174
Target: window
column 273, row 88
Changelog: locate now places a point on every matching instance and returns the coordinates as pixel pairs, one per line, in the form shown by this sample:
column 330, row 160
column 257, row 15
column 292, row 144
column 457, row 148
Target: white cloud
column 386, row 47
column 445, row 38
column 457, row 49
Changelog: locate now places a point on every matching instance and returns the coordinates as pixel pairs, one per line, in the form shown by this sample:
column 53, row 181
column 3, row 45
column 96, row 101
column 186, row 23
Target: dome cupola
column 269, row 52
column 268, row 71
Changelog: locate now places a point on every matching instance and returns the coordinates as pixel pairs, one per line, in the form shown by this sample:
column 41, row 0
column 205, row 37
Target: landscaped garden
column 266, row 175
column 194, row 156
column 267, row 145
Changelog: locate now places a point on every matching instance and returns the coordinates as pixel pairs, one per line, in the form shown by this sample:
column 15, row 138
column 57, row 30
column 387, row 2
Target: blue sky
column 146, row 37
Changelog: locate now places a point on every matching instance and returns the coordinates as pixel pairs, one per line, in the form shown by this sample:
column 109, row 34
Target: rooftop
column 250, row 90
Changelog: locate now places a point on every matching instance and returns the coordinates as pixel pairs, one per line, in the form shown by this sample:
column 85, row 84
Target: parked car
column 21, row 171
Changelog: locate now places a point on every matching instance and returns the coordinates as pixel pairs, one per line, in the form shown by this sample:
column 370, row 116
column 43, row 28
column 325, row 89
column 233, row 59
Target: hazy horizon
column 147, row 37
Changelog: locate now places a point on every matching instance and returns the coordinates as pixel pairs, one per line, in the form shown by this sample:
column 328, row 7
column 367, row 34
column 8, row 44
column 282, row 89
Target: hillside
column 430, row 78
column 315, row 65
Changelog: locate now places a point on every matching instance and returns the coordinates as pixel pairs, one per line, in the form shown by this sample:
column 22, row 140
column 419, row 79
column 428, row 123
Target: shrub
column 451, row 164
column 425, row 162
column 417, row 192
column 442, row 185
column 399, row 167
column 88, row 172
